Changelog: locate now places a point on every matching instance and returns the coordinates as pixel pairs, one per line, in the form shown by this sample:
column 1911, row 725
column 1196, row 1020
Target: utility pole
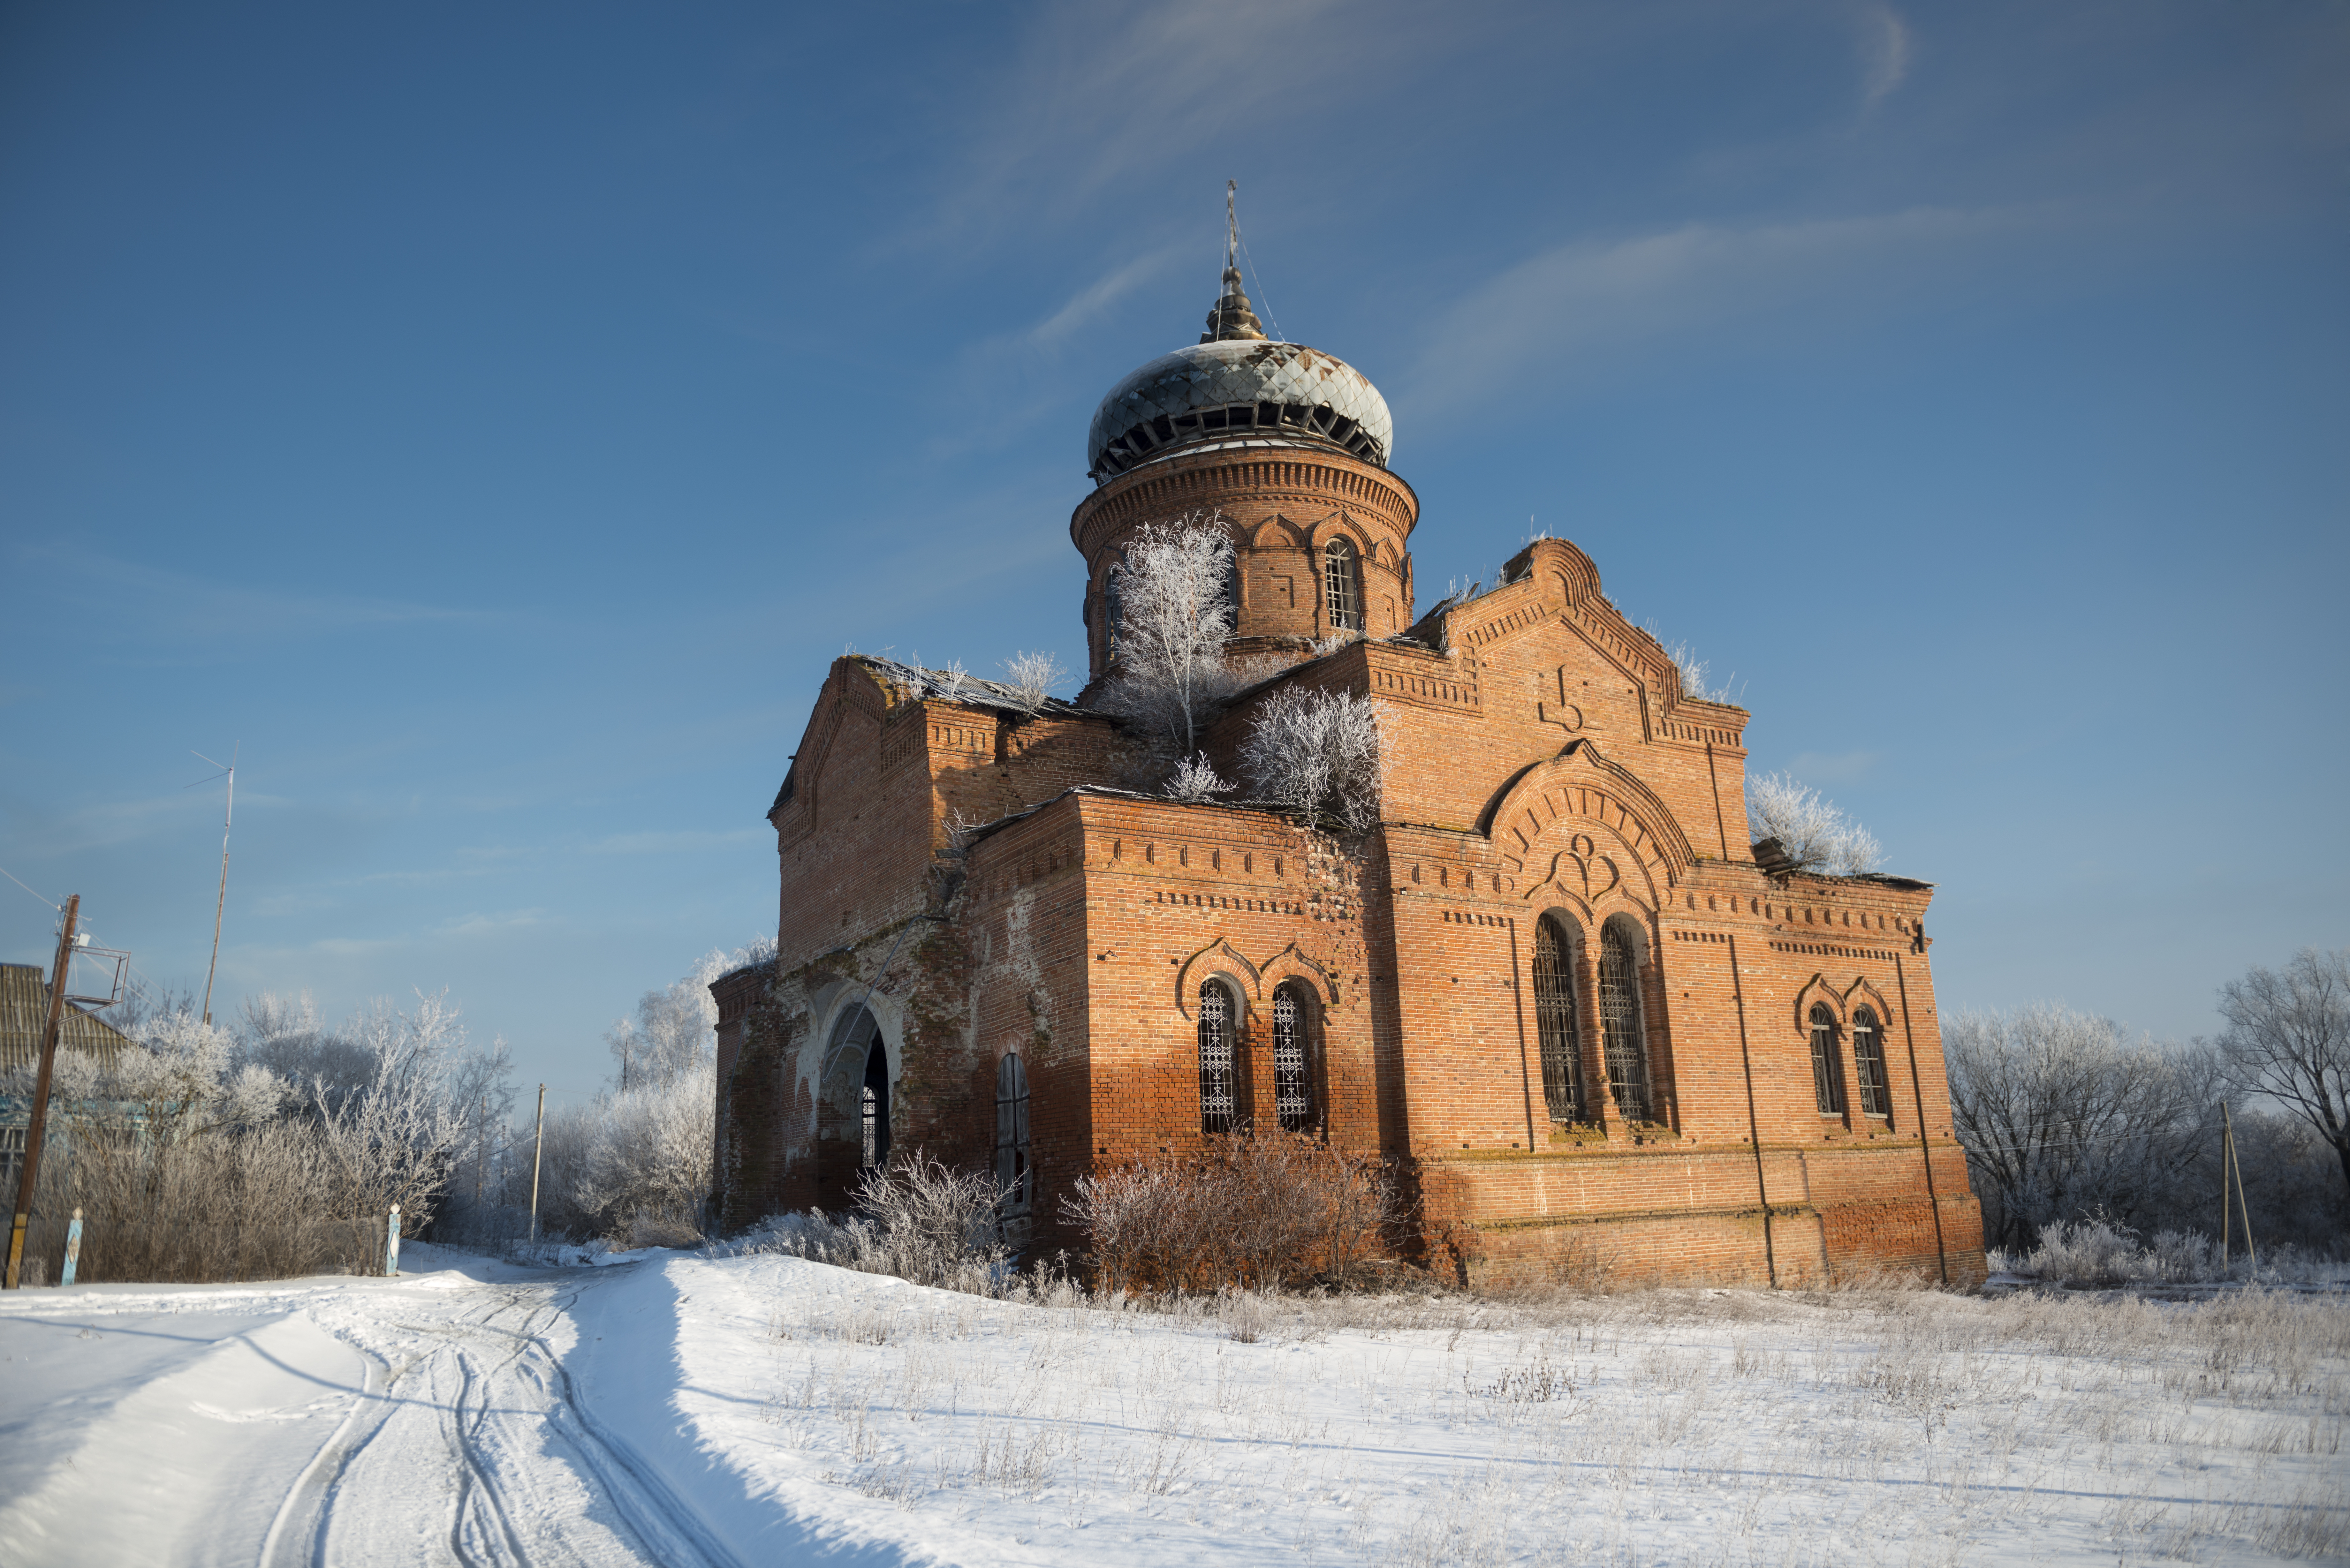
column 2231, row 1173
column 222, row 903
column 481, row 1149
column 31, row 1173
column 537, row 1147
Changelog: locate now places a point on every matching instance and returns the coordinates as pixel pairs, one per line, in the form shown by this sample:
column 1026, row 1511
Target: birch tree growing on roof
column 1173, row 593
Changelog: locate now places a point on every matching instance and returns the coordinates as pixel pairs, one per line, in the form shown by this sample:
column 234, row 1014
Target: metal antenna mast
column 227, row 817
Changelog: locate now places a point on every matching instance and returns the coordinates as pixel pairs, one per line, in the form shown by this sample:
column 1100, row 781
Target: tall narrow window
column 874, row 1104
column 1292, row 1093
column 1217, row 1107
column 1555, row 1022
column 1868, row 1063
column 1620, row 1024
column 1828, row 1073
column 1342, row 585
column 1012, row 1145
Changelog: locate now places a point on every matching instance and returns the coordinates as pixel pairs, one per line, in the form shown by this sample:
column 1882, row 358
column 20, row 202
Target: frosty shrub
column 1195, row 781
column 1318, row 753
column 1812, row 832
column 1032, row 676
column 1253, row 1210
column 917, row 1219
column 1692, row 672
column 1174, row 609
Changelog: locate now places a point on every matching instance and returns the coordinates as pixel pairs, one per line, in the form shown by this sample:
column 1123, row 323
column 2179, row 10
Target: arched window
column 1868, row 1064
column 1218, row 1023
column 1293, row 1088
column 874, row 1104
column 1554, row 1021
column 1342, row 585
column 1620, row 1024
column 1012, row 1145
column 1828, row 1073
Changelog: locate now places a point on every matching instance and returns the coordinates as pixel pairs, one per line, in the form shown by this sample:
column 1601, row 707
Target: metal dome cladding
column 1248, row 389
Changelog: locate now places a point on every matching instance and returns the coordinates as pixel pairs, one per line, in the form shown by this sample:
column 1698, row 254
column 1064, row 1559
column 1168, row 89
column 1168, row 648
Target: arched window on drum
column 1342, row 585
column 1220, row 1016
column 1293, row 1058
column 1556, row 1021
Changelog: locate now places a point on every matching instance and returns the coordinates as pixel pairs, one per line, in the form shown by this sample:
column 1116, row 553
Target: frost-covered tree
column 2288, row 1037
column 676, row 1027
column 1812, row 832
column 2064, row 1117
column 1317, row 752
column 1174, row 613
column 1032, row 676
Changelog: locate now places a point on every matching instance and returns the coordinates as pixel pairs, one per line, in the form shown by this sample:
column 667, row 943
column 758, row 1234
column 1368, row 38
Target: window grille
column 1828, row 1073
column 1342, row 585
column 1012, row 1142
column 1868, row 1064
column 873, row 1110
column 1217, row 1109
column 1620, row 1023
column 1555, row 1022
column 1292, row 1098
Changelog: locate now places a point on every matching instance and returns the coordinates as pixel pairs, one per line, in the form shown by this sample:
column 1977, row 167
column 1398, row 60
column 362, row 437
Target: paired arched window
column 1013, row 1183
column 1868, row 1064
column 1621, row 1024
column 1554, row 1021
column 1828, row 1073
column 1342, row 585
column 1219, row 1083
column 1293, row 1085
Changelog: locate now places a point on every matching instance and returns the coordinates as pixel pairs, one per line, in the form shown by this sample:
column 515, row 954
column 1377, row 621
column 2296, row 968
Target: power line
column 22, row 883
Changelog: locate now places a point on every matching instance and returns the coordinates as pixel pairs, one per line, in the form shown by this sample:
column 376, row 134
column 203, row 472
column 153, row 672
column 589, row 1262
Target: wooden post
column 2224, row 1194
column 537, row 1148
column 391, row 1244
column 73, row 1250
column 2228, row 1143
column 39, row 1123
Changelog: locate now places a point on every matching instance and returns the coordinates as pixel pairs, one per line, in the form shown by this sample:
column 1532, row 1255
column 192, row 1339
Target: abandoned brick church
column 1553, row 985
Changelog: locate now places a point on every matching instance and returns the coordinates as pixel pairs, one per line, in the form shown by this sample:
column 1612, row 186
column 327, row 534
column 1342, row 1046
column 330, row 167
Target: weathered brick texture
column 1544, row 766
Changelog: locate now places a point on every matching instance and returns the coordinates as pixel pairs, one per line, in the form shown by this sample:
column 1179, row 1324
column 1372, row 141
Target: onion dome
column 1237, row 387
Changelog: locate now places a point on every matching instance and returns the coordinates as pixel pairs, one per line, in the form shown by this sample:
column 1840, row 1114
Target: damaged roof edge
column 986, row 830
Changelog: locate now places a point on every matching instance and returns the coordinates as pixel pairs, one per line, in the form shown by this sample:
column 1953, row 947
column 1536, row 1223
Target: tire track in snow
column 476, row 1424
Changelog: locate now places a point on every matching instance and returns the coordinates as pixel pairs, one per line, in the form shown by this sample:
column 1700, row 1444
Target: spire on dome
column 1231, row 317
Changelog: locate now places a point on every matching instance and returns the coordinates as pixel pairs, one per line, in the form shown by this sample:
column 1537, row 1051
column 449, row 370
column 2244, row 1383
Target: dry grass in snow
column 1661, row 1427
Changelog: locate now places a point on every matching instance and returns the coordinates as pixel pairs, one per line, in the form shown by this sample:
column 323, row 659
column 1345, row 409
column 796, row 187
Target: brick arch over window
column 1532, row 816
column 1218, row 957
column 1817, row 992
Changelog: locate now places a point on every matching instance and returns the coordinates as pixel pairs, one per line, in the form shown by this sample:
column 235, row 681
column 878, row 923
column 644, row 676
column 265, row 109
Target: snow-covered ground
column 683, row 1410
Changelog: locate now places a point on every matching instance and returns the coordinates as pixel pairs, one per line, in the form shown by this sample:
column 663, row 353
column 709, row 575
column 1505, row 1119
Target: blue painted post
column 391, row 1244
column 73, row 1250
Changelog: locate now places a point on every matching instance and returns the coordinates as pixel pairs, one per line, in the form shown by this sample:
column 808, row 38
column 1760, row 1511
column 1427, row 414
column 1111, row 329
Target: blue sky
column 492, row 418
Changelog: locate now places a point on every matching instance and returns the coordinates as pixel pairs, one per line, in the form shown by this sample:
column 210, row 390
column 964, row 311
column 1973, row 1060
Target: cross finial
column 1231, row 222
column 1231, row 317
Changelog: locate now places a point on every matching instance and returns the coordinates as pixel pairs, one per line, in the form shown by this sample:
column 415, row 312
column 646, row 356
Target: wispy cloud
column 1561, row 307
column 678, row 841
column 1833, row 767
column 188, row 608
column 1885, row 52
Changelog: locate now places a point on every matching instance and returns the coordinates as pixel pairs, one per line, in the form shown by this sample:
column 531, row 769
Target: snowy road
column 356, row 1421
column 693, row 1410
